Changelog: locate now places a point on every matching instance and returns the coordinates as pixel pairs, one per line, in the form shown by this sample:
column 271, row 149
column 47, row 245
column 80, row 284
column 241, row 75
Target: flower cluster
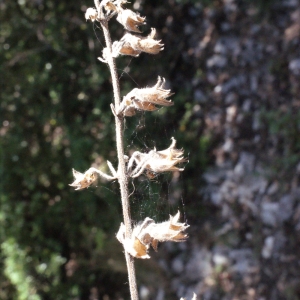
column 134, row 45
column 130, row 20
column 107, row 8
column 146, row 99
column 149, row 233
column 156, row 161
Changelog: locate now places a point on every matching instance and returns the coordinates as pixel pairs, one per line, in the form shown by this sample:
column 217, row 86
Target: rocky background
column 245, row 91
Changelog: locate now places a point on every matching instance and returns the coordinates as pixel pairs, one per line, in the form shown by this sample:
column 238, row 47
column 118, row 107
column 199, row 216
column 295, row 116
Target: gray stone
column 216, row 61
column 268, row 247
column 269, row 213
column 286, row 208
column 294, row 66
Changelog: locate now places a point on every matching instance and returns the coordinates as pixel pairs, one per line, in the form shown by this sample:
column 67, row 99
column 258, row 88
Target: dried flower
column 149, row 233
column 91, row 14
column 130, row 20
column 146, row 99
column 133, row 45
column 157, row 161
column 124, row 48
column 170, row 230
column 132, row 245
column 83, row 180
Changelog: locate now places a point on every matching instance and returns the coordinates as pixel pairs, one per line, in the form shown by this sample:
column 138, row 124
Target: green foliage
column 18, row 268
column 51, row 120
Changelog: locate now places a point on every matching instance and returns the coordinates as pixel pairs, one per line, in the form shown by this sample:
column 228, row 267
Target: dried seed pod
column 130, row 20
column 133, row 45
column 149, row 233
column 132, row 245
column 170, row 230
column 157, row 161
column 83, row 180
column 121, row 47
column 146, row 99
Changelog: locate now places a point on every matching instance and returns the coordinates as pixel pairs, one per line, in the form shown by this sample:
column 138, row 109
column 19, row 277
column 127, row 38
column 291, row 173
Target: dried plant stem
column 122, row 174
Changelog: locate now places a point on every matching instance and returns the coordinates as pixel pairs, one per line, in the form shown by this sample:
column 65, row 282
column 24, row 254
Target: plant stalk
column 122, row 174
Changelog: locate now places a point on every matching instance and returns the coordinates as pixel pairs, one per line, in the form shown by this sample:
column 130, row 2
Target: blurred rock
column 269, row 213
column 294, row 66
column 286, row 208
column 268, row 247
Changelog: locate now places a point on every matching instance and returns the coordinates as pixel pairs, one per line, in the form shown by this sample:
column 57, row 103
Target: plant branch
column 122, row 173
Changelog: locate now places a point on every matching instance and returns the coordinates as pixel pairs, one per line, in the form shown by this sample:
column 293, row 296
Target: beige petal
column 141, row 249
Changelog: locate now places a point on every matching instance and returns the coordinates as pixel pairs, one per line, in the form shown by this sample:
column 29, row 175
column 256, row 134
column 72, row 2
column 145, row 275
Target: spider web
column 156, row 197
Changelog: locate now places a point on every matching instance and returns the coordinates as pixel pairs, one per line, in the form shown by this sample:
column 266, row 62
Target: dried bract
column 149, row 44
column 146, row 99
column 83, row 180
column 170, row 230
column 130, row 20
column 156, row 161
column 91, row 14
column 149, row 233
column 132, row 245
column 133, row 45
column 121, row 47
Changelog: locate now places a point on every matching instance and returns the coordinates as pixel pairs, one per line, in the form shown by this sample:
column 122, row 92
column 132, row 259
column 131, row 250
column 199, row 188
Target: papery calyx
column 156, row 161
column 83, row 180
column 146, row 98
column 130, row 20
column 150, row 233
column 134, row 45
